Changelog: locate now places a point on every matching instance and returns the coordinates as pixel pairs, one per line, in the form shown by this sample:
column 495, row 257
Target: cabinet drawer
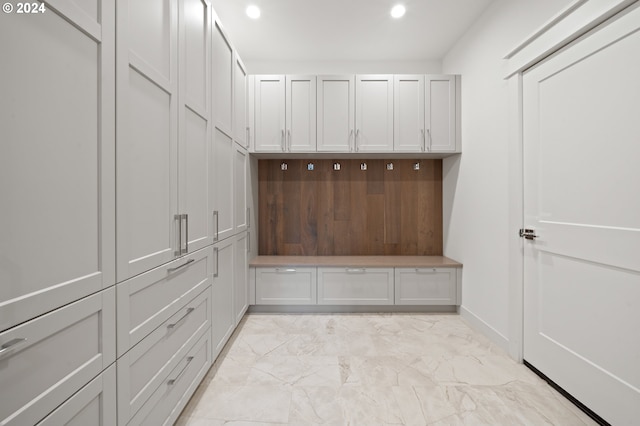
column 355, row 286
column 426, row 286
column 146, row 365
column 148, row 300
column 94, row 404
column 285, row 286
column 45, row 361
column 166, row 403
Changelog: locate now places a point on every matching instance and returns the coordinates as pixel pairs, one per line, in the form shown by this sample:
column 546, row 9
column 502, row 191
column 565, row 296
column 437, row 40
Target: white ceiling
column 346, row 30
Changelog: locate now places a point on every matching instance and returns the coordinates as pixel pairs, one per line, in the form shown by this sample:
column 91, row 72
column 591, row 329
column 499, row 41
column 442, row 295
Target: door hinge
column 529, row 234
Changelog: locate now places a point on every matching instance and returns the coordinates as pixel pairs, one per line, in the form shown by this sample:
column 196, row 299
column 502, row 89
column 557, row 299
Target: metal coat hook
column 363, row 166
column 336, row 166
column 284, row 166
column 389, row 166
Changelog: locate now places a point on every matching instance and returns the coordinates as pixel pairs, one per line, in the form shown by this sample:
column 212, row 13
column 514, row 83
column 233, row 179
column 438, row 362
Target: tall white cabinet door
column 300, row 113
column 440, row 113
column 335, row 113
column 147, row 135
column 408, row 113
column 223, row 172
column 374, row 113
column 240, row 192
column 240, row 98
column 222, row 69
column 223, row 319
column 269, row 113
column 195, row 194
column 57, row 240
column 241, row 277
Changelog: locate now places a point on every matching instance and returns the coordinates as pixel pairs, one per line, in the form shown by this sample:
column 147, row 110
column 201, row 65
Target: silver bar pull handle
column 356, row 270
column 11, row 345
column 350, row 139
column 248, row 242
column 170, row 270
column 171, row 382
column 186, row 233
column 426, row 271
column 424, row 140
column 172, row 326
column 289, row 138
column 356, row 140
column 283, row 143
column 216, row 235
column 178, row 217
column 285, row 270
column 248, row 136
column 248, row 217
column 429, row 134
column 216, row 251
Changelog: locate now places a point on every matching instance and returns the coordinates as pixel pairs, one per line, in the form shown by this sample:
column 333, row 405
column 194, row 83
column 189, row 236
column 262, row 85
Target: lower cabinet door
column 168, row 401
column 94, row 404
column 355, row 286
column 223, row 319
column 46, row 360
column 144, row 368
column 286, row 286
column 426, row 286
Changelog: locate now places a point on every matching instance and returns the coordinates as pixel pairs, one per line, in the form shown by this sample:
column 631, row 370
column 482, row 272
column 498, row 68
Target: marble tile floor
column 370, row 369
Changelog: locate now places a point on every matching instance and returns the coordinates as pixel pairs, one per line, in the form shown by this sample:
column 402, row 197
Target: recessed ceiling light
column 398, row 11
column 253, row 12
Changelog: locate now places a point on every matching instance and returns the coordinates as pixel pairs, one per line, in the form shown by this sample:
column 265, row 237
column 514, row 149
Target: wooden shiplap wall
column 350, row 211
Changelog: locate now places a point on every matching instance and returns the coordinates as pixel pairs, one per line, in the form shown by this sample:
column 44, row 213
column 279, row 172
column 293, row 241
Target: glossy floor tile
column 370, row 369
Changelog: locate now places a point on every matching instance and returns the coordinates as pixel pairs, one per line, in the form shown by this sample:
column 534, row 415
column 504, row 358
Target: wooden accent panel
column 350, row 211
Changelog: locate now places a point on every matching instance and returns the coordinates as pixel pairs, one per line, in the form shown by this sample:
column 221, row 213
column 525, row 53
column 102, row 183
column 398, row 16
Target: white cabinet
column 46, row 360
column 223, row 68
column 335, row 113
column 241, row 276
column 57, row 242
column 269, row 110
column 426, row 286
column 240, row 191
column 300, row 113
column 286, row 286
column 240, row 99
column 223, row 318
column 408, row 113
column 374, row 113
column 440, row 113
column 94, row 404
column 355, row 286
column 223, row 172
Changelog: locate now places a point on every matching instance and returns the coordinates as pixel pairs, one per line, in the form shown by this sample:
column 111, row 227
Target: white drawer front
column 426, row 286
column 355, row 286
column 142, row 369
column 94, row 405
column 148, row 300
column 165, row 405
column 286, row 286
column 47, row 359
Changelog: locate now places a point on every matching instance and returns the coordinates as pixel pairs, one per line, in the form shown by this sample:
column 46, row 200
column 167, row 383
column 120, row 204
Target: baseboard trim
column 479, row 325
column 596, row 418
column 349, row 309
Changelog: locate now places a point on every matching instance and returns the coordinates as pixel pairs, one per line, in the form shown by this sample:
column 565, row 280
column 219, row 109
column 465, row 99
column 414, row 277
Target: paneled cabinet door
column 269, row 113
column 223, row 318
column 408, row 113
column 147, row 135
column 240, row 193
column 222, row 69
column 241, row 276
column 240, row 99
column 440, row 113
column 300, row 113
column 195, row 193
column 224, row 150
column 57, row 241
column 374, row 113
column 335, row 113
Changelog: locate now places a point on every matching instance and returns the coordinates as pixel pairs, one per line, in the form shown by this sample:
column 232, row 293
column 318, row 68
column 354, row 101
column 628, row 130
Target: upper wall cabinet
column 408, row 113
column 374, row 113
column 336, row 113
column 285, row 113
column 223, row 70
column 57, row 242
column 240, row 98
column 440, row 112
column 163, row 132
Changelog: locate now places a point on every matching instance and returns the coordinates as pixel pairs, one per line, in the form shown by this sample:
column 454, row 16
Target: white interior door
column 581, row 185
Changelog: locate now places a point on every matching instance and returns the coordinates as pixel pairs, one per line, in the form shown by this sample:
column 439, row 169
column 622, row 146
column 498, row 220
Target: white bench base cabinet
column 426, row 286
column 355, row 286
column 285, row 286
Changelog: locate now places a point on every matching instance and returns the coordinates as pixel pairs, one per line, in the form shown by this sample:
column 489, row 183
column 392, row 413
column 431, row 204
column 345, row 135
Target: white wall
column 478, row 197
column 349, row 67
